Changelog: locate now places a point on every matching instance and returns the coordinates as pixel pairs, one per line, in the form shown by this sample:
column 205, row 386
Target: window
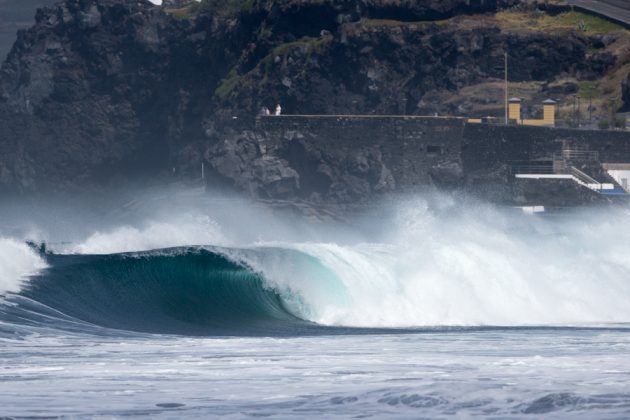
column 434, row 150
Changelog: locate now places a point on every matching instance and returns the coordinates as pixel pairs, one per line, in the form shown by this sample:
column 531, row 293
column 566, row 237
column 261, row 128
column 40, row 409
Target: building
column 549, row 113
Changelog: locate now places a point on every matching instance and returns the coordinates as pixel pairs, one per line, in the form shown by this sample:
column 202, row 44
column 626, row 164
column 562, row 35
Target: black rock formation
column 103, row 92
column 14, row 15
column 625, row 94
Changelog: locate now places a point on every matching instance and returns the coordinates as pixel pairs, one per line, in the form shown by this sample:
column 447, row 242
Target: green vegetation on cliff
column 228, row 85
column 225, row 7
column 572, row 21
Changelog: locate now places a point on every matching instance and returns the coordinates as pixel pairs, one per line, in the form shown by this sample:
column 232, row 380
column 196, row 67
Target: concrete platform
column 614, row 10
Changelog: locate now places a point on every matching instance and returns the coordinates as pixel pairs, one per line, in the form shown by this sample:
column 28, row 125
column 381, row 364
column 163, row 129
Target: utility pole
column 578, row 111
column 203, row 174
column 505, row 66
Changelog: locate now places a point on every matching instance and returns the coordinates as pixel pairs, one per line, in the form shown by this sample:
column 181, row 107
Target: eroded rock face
column 294, row 166
column 14, row 15
column 625, row 93
column 380, row 70
column 100, row 92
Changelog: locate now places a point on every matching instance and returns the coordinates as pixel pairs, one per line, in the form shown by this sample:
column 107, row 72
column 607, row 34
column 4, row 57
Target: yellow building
column 549, row 113
column 514, row 110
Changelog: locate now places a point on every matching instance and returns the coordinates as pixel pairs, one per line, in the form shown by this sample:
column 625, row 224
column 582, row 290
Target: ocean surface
column 429, row 307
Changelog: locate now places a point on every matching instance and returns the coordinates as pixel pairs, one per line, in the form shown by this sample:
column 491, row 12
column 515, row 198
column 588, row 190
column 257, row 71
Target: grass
column 213, row 7
column 228, row 85
column 184, row 12
column 563, row 22
column 313, row 44
column 390, row 23
column 225, row 7
column 588, row 89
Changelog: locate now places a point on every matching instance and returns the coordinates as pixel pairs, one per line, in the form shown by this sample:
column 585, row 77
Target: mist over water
column 424, row 261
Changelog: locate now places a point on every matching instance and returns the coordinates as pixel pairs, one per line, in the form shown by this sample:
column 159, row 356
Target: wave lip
column 17, row 263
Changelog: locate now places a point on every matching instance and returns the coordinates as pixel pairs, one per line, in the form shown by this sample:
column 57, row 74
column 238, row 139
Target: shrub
column 225, row 7
column 603, row 124
column 619, row 122
column 227, row 86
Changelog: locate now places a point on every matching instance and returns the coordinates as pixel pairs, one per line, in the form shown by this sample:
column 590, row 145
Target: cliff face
column 100, row 92
column 335, row 159
column 97, row 90
column 14, row 15
column 387, row 68
column 625, row 89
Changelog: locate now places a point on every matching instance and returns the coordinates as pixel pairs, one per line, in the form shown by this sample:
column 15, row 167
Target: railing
column 558, row 171
column 582, row 176
column 532, row 169
column 573, row 154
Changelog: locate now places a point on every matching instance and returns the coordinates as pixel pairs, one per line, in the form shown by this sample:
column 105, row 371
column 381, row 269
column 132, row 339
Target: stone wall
column 355, row 158
column 489, row 146
column 416, row 151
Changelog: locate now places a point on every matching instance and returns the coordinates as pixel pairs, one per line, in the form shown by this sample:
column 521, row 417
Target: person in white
column 278, row 109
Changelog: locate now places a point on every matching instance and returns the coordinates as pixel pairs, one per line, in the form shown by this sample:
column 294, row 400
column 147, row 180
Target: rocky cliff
column 15, row 15
column 103, row 92
column 626, row 94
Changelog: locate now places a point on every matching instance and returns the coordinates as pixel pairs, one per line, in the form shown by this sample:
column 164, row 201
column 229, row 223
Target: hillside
column 392, row 61
column 15, row 15
column 101, row 92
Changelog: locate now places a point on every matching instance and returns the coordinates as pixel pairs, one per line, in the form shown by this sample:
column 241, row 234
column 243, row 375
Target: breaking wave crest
column 443, row 267
column 17, row 263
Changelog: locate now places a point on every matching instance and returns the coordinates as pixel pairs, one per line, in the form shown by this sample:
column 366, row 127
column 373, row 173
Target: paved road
column 618, row 10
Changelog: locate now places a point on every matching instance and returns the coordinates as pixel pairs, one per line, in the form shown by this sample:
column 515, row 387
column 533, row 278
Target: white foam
column 441, row 262
column 151, row 235
column 467, row 267
column 17, row 263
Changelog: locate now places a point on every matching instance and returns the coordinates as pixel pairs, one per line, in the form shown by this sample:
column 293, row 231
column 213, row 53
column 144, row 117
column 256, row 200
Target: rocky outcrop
column 100, row 92
column 297, row 165
column 370, row 67
column 625, row 94
column 335, row 159
column 14, row 15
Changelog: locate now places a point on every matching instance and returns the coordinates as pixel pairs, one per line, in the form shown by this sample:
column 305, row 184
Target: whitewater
column 428, row 306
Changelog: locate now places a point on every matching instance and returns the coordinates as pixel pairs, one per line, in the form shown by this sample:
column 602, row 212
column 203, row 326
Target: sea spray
column 480, row 265
column 191, row 230
column 17, row 262
column 429, row 262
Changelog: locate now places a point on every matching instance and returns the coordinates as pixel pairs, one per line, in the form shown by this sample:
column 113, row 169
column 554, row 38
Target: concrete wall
column 418, row 151
column 486, row 146
column 355, row 157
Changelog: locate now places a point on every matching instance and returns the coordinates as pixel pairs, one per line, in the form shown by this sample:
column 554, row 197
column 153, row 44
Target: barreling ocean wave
column 280, row 290
column 445, row 265
column 178, row 291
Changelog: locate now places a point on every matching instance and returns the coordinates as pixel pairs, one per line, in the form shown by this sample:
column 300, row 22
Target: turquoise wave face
column 178, row 291
column 182, row 291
